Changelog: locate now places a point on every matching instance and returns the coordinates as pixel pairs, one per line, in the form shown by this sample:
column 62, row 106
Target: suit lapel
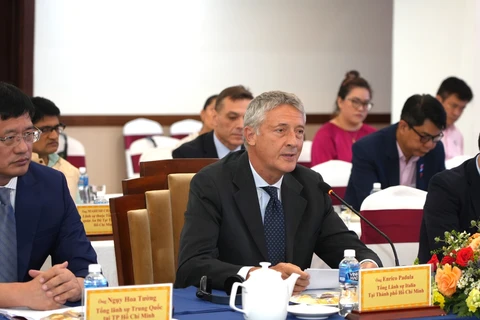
column 27, row 214
column 474, row 183
column 293, row 207
column 209, row 149
column 246, row 199
column 393, row 169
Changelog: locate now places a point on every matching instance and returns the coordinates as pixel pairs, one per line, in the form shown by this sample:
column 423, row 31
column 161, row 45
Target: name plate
column 96, row 218
column 129, row 302
column 394, row 288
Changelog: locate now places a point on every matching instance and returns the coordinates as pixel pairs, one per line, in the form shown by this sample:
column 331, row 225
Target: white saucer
column 311, row 312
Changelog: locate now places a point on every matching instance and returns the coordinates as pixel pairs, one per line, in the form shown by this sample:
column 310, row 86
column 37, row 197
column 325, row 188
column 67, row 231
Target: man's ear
column 250, row 136
column 403, row 125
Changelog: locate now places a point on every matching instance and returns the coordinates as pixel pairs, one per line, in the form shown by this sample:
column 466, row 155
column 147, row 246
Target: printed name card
column 129, row 302
column 395, row 288
column 96, row 218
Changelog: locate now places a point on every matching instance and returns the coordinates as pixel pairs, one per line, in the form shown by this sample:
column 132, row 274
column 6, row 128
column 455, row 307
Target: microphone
column 325, row 187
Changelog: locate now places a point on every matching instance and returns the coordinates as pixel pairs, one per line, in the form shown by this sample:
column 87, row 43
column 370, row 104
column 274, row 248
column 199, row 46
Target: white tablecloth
column 106, row 258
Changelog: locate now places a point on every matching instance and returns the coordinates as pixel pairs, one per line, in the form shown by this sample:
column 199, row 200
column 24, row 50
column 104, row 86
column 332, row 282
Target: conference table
column 188, row 307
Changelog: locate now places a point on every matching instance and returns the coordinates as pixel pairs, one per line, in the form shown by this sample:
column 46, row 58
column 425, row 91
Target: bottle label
column 349, row 274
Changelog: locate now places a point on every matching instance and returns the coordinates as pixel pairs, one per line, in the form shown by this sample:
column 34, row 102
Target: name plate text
column 96, row 218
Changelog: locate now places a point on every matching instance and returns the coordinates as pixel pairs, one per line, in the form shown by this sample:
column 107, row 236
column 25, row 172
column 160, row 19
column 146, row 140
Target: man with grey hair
column 259, row 205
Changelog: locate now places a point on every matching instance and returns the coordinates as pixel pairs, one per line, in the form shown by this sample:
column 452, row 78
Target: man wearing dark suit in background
column 228, row 125
column 453, row 201
column 234, row 203
column 407, row 153
column 44, row 221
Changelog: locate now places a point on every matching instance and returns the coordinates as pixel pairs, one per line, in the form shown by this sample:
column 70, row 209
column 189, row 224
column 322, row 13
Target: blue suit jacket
column 48, row 223
column 375, row 159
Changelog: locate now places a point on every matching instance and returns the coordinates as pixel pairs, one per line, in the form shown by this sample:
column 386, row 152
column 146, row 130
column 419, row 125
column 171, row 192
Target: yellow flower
column 475, row 242
column 438, row 298
column 473, row 300
column 446, row 279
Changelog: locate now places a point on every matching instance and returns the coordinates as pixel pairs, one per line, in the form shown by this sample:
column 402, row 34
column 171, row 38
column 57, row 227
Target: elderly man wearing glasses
column 38, row 218
column 47, row 119
column 407, row 153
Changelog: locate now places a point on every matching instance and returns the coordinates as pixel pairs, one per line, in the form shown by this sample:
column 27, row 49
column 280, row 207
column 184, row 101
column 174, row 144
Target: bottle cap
column 349, row 253
column 82, row 170
column 94, row 268
column 377, row 185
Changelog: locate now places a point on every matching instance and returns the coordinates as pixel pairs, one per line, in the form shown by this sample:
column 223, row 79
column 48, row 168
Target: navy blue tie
column 8, row 239
column 274, row 226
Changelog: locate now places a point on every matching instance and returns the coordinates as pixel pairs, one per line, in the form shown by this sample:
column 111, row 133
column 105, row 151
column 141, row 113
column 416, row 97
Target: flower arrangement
column 457, row 275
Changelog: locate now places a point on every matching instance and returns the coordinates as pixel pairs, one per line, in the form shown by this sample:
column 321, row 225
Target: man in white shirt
column 454, row 94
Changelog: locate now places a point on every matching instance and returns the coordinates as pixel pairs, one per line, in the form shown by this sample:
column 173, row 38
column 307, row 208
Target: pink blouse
column 334, row 143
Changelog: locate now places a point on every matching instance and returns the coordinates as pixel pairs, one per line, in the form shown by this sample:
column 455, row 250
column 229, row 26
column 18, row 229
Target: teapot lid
column 265, row 271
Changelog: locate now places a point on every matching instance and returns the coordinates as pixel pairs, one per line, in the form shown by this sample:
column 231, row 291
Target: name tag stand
column 395, row 293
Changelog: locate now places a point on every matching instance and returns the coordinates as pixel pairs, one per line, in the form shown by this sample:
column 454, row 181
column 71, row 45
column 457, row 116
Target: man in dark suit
column 406, row 153
column 259, row 205
column 228, row 125
column 43, row 219
column 453, row 201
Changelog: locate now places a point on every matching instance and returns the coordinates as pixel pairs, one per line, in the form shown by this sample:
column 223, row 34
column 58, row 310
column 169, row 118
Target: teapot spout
column 291, row 282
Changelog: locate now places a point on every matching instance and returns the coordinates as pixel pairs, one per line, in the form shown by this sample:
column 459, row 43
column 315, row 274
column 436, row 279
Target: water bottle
column 377, row 186
column 348, row 278
column 94, row 279
column 83, row 186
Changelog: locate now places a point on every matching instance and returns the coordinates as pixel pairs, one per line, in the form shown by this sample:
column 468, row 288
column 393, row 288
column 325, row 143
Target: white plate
column 311, row 312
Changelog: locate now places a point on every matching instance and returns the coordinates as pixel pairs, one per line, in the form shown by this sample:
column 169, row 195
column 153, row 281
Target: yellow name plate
column 129, row 302
column 394, row 288
column 96, row 218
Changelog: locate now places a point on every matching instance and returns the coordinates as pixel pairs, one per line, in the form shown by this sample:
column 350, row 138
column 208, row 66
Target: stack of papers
column 323, row 279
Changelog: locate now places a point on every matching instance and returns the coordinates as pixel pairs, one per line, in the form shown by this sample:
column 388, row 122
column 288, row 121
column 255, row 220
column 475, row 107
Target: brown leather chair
column 179, row 186
column 153, row 174
column 146, row 245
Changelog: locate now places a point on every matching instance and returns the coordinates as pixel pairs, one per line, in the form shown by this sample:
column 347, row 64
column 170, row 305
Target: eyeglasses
column 58, row 128
column 424, row 138
column 28, row 137
column 357, row 104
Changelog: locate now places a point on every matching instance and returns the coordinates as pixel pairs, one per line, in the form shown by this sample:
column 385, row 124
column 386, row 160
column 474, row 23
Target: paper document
column 323, row 278
column 36, row 315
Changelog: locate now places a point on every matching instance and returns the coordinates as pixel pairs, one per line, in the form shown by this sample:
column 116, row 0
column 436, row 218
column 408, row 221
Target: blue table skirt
column 188, row 307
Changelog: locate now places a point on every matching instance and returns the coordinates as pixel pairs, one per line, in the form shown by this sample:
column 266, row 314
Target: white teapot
column 265, row 294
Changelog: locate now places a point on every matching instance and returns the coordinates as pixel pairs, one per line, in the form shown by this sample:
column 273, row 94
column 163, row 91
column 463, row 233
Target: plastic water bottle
column 94, row 279
column 83, row 186
column 348, row 278
column 377, row 186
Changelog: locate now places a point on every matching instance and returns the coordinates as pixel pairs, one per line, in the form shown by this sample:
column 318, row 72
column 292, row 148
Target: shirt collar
column 222, row 150
column 401, row 156
column 476, row 162
column 12, row 184
column 260, row 182
column 53, row 159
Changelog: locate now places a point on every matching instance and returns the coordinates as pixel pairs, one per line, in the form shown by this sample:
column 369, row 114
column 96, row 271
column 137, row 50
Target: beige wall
column 105, row 154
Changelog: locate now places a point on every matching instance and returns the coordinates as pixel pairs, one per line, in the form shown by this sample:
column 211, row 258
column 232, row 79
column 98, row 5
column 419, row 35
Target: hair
column 419, row 108
column 13, row 102
column 453, row 85
column 258, row 107
column 209, row 101
column 352, row 80
column 234, row 93
column 43, row 108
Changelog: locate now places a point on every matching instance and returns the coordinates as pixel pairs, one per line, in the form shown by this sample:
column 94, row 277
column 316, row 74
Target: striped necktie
column 8, row 238
column 274, row 226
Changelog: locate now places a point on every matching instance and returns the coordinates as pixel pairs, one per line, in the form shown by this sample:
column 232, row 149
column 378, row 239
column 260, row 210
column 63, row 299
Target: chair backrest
column 75, row 151
column 153, row 174
column 336, row 173
column 143, row 238
column 397, row 211
column 183, row 128
column 140, row 146
column 137, row 129
column 305, row 157
column 456, row 161
column 179, row 186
